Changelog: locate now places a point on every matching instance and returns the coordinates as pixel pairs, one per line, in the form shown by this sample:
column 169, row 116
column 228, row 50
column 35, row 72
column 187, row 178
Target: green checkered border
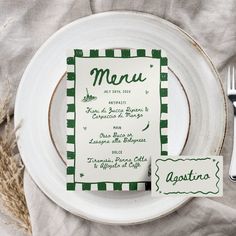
column 71, row 114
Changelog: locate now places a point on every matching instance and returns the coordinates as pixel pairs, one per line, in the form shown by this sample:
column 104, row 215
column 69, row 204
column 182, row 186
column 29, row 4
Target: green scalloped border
column 188, row 159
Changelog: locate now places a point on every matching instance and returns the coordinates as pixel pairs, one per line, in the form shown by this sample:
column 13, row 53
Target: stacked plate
column 197, row 109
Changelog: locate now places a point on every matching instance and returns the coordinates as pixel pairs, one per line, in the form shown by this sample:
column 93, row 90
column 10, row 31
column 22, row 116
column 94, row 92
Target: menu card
column 117, row 104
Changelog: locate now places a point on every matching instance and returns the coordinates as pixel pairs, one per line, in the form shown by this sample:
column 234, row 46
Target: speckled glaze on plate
column 113, row 30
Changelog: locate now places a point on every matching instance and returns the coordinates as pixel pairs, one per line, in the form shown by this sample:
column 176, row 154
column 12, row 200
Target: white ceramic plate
column 118, row 30
column 179, row 120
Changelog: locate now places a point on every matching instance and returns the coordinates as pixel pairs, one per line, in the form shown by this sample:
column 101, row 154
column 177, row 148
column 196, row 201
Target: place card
column 195, row 176
column 116, row 117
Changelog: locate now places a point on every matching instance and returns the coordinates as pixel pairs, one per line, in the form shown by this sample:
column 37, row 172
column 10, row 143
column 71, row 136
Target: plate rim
column 150, row 16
